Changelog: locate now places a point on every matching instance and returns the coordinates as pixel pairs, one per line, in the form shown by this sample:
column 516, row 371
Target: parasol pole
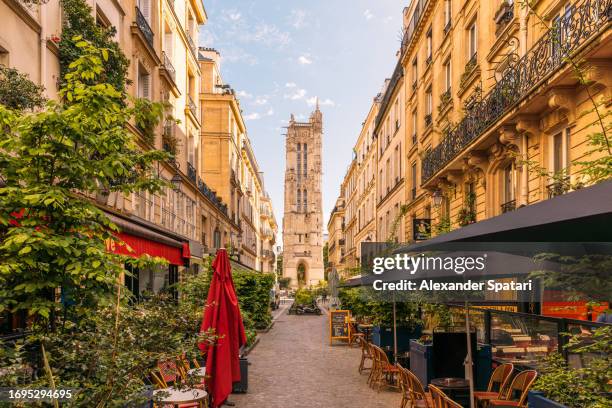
column 394, row 331
column 469, row 363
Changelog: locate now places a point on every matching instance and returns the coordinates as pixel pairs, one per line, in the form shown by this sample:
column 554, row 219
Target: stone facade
column 303, row 218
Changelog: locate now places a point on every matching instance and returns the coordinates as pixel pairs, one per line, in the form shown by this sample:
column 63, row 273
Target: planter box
column 421, row 361
column 536, row 399
column 383, row 337
column 242, row 386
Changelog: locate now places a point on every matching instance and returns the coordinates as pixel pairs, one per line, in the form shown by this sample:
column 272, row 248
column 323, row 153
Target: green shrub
column 253, row 291
column 304, row 297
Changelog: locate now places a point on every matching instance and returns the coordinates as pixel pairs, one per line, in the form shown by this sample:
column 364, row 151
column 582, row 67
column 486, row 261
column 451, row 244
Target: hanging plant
column 467, row 214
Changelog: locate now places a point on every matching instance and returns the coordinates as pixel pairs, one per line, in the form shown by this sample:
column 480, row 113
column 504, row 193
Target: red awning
column 137, row 246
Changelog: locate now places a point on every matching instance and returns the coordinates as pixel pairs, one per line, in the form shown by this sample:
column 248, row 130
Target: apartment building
column 336, row 240
column 160, row 41
column 230, row 168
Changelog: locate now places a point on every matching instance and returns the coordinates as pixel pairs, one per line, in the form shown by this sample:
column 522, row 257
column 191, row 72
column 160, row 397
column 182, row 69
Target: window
column 414, row 127
column 388, row 174
column 560, row 144
column 305, row 160
column 397, row 115
column 413, row 173
column 299, row 200
column 217, row 238
column 145, row 9
column 144, row 82
column 560, row 29
column 447, row 75
column 472, row 41
column 299, row 162
column 509, row 187
column 429, row 46
column 415, row 74
column 305, row 201
column 428, row 102
column 447, row 14
column 4, row 57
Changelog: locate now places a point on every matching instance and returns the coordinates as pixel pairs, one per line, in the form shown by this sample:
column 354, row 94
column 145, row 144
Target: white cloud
column 297, row 19
column 368, row 14
column 290, row 85
column 270, row 112
column 297, row 93
column 260, row 100
column 312, row 101
column 304, row 60
column 234, row 16
column 267, row 34
column 252, row 116
column 244, row 94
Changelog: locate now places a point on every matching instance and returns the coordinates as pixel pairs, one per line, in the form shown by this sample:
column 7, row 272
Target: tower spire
column 317, row 103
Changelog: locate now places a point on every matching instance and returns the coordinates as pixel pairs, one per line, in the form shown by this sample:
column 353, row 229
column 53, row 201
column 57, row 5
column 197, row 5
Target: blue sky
column 280, row 55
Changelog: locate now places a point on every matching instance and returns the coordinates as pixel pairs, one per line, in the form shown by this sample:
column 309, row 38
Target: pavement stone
column 293, row 366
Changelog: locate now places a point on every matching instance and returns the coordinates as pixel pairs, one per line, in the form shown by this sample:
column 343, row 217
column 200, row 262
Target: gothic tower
column 303, row 218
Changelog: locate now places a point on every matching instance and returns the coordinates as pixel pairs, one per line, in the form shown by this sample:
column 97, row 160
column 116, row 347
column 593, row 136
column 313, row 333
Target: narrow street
column 294, row 366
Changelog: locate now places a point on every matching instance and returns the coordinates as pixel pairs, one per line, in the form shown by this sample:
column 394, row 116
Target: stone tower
column 303, row 218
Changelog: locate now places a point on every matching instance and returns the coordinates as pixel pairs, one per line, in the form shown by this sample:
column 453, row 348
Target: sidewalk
column 293, row 366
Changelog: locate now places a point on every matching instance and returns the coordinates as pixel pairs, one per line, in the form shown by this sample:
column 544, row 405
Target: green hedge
column 253, row 291
column 304, row 297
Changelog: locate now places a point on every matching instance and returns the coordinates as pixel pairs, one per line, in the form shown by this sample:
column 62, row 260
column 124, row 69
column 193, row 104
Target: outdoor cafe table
column 174, row 396
column 456, row 388
column 366, row 329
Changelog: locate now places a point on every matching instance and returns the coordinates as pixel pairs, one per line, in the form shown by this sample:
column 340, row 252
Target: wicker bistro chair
column 354, row 334
column 418, row 397
column 386, row 373
column 438, row 397
column 497, row 384
column 366, row 355
column 403, row 378
column 452, row 404
column 376, row 364
column 516, row 395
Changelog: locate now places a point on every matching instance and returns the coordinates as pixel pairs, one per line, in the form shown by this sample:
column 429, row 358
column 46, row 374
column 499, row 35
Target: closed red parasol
column 222, row 315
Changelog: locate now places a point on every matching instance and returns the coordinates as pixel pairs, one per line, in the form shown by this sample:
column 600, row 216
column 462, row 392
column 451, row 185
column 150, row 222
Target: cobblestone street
column 293, row 366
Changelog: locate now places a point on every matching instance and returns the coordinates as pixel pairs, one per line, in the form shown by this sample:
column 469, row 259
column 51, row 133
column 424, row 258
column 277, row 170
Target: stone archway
column 302, row 274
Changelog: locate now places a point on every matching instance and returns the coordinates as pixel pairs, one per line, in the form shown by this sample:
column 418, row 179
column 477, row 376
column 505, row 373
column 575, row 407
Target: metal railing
column 508, row 206
column 167, row 64
column 192, row 107
column 558, row 187
column 413, row 24
column 144, row 27
column 211, row 195
column 582, row 21
column 151, row 210
column 192, row 45
column 191, row 172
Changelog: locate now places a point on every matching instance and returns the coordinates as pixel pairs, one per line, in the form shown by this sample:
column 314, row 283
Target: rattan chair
column 497, row 385
column 403, row 378
column 386, row 373
column 438, row 397
column 354, row 334
column 516, row 395
column 366, row 355
column 419, row 398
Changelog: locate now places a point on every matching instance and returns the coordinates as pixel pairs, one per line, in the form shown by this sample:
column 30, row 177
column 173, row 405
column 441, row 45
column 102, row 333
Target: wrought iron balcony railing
column 558, row 187
column 211, row 195
column 192, row 107
column 167, row 64
column 428, row 119
column 508, row 206
column 144, row 27
column 191, row 172
column 192, row 45
column 582, row 21
column 414, row 23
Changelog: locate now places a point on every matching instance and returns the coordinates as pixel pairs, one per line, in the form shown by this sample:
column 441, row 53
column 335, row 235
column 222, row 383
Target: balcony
column 168, row 67
column 303, row 254
column 211, row 196
column 448, row 26
column 558, row 187
column 413, row 24
column 193, row 109
column 582, row 21
column 191, row 172
column 413, row 193
column 267, row 254
column 144, row 27
column 428, row 120
column 341, row 241
column 508, row 206
column 192, row 45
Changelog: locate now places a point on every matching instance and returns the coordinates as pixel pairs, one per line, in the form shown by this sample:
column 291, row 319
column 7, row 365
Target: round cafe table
column 174, row 396
column 366, row 329
column 456, row 388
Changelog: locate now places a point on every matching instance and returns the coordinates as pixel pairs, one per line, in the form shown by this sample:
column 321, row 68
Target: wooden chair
column 419, row 398
column 386, row 373
column 354, row 334
column 403, row 378
column 516, row 395
column 160, row 382
column 497, row 384
column 438, row 397
column 366, row 355
column 452, row 404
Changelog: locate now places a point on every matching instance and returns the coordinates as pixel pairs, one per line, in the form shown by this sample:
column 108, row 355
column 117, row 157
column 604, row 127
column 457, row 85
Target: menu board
column 339, row 325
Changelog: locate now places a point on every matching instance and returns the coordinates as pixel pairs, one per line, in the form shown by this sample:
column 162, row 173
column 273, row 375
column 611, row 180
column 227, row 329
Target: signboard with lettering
column 339, row 328
column 421, row 229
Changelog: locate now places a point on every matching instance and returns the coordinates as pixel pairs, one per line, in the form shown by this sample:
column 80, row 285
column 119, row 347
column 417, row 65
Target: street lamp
column 437, row 198
column 176, row 181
